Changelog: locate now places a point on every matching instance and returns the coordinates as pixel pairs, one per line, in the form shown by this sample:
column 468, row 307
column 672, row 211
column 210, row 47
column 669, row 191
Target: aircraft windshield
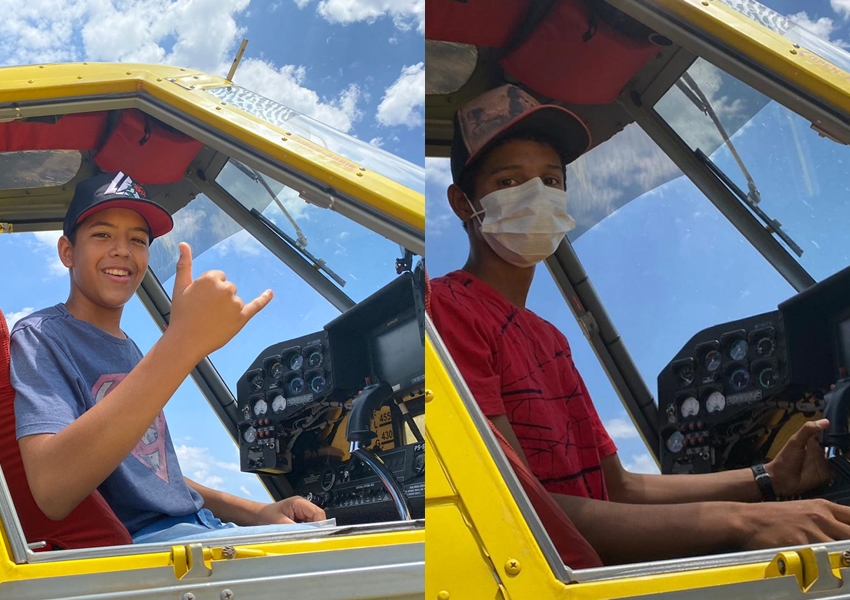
column 799, row 176
column 375, row 159
column 37, row 168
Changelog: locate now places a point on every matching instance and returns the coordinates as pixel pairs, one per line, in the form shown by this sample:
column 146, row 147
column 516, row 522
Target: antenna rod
column 236, row 60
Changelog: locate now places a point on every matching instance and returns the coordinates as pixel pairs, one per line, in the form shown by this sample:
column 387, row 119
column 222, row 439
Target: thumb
column 183, row 276
column 809, row 430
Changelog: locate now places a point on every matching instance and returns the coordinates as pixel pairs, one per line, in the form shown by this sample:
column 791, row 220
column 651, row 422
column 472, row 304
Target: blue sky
column 356, row 65
column 667, row 264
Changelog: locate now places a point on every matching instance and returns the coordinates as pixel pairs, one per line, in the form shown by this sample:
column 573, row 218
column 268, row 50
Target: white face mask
column 524, row 224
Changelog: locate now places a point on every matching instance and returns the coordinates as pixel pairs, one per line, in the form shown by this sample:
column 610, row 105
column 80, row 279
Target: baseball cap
column 508, row 109
column 115, row 190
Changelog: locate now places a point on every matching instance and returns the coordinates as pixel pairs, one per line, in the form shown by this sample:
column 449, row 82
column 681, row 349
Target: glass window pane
column 38, row 168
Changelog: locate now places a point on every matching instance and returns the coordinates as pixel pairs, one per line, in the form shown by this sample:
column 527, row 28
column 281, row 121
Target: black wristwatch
column 764, row 483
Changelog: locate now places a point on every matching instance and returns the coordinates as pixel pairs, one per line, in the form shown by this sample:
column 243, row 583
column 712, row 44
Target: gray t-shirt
column 61, row 367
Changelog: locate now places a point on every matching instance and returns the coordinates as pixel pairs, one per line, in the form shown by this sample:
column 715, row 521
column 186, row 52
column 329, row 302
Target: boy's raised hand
column 206, row 311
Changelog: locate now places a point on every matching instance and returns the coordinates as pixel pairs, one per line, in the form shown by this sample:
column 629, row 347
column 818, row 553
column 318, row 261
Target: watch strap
column 765, row 484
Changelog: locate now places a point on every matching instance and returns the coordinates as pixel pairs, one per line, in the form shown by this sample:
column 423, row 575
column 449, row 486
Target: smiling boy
column 88, row 405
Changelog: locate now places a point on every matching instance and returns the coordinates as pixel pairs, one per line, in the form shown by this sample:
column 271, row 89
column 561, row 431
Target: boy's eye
column 102, row 234
column 507, row 182
column 141, row 241
column 552, row 182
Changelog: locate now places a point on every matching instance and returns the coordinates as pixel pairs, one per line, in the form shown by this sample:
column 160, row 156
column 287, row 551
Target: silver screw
column 226, row 595
column 228, row 552
column 188, row 596
column 780, row 566
column 845, row 556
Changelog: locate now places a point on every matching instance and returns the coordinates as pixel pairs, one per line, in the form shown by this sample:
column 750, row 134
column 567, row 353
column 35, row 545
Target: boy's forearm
column 64, row 468
column 732, row 486
column 227, row 507
column 628, row 532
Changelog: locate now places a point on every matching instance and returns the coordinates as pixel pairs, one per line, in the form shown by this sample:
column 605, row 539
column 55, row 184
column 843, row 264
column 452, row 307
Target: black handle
column 369, row 400
column 837, row 411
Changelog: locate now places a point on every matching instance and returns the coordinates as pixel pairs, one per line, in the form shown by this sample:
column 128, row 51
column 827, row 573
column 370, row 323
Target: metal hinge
column 811, row 567
column 192, row 561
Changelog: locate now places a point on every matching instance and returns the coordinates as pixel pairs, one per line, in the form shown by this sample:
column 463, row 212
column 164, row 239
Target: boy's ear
column 458, row 202
column 66, row 251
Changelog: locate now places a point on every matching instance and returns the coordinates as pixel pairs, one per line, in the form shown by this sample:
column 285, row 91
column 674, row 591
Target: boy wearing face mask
column 508, row 166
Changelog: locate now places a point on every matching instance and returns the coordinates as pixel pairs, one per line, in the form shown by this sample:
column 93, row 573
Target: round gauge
column 675, row 442
column 249, row 435
column 712, row 360
column 317, row 384
column 715, row 402
column 276, row 370
column 296, row 361
column 738, row 350
column 260, row 407
column 296, row 385
column 419, row 464
column 256, row 381
column 765, row 347
column 685, row 375
column 690, row 407
column 314, row 359
column 279, row 404
column 768, row 377
column 328, row 479
column 740, row 379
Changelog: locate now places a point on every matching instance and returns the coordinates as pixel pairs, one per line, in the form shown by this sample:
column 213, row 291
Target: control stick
column 358, row 432
column 837, row 411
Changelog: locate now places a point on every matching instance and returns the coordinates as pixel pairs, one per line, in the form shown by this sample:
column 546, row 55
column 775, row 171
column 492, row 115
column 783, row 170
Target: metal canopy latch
column 190, row 561
column 811, row 567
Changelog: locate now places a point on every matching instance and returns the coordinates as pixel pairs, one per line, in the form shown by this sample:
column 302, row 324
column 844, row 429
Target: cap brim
column 158, row 219
column 553, row 123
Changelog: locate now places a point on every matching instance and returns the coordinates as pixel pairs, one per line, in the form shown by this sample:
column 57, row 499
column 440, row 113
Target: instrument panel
column 735, row 392
column 296, row 396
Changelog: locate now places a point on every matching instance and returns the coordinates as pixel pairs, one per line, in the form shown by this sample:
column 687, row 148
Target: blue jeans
column 204, row 525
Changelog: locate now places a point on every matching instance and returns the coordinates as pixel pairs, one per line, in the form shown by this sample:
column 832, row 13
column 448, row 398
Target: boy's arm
column 631, row 532
column 64, row 468
column 233, row 509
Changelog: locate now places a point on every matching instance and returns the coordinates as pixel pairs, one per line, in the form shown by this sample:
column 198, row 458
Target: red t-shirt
column 519, row 365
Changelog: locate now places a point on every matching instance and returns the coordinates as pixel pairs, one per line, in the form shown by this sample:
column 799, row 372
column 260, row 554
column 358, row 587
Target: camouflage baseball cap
column 483, row 120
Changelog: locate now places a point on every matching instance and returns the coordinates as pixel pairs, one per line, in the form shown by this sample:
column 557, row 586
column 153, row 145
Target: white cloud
column 404, row 13
column 641, row 463
column 823, row 27
column 404, row 99
column 438, row 213
column 284, row 85
column 198, row 464
column 47, row 241
column 245, row 491
column 240, row 243
column 842, row 7
column 14, row 317
column 621, row 429
column 197, row 34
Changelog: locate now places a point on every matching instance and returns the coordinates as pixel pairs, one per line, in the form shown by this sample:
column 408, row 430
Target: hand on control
column 207, row 310
column 801, row 464
column 291, row 510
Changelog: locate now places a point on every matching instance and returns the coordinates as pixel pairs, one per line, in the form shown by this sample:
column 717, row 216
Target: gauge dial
column 690, row 407
column 739, row 379
column 317, row 384
column 715, row 402
column 768, row 377
column 675, row 442
column 765, row 347
column 738, row 350
column 279, row 404
column 296, row 361
column 712, row 360
column 256, row 382
column 276, row 370
column 260, row 407
column 314, row 359
column 296, row 385
column 249, row 435
column 685, row 375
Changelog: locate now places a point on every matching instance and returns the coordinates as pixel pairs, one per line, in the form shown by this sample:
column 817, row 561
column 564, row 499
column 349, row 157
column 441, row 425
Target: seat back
column 89, row 525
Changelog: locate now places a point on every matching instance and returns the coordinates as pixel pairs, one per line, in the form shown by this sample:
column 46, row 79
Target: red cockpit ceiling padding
column 479, row 22
column 146, row 150
column 91, row 524
column 69, row 132
column 576, row 59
